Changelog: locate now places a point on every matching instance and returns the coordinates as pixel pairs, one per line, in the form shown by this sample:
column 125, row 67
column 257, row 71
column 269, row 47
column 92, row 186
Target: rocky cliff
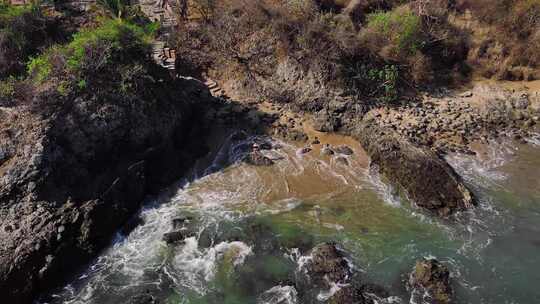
column 74, row 170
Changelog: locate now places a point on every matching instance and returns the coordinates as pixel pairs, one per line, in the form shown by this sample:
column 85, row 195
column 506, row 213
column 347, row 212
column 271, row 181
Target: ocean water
column 252, row 228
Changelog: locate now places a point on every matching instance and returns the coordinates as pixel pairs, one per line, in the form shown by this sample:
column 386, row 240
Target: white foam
column 483, row 170
column 194, row 267
column 385, row 191
column 279, row 295
column 327, row 294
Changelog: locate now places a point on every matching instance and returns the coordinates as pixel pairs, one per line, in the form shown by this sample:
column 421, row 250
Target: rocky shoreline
column 73, row 177
column 73, row 171
column 407, row 151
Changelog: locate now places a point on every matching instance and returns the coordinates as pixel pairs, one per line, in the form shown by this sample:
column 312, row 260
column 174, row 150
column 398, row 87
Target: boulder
column 327, row 150
column 256, row 158
column 342, row 161
column 176, row 236
column 178, row 222
column 327, row 264
column 296, row 135
column 330, row 273
column 418, row 172
column 430, row 280
column 324, row 122
column 305, row 150
column 343, row 149
column 144, row 298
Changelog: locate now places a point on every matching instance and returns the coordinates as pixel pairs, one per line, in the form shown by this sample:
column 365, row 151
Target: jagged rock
column 328, row 264
column 327, row 150
column 305, row 150
column 264, row 144
column 342, row 160
column 178, row 222
column 430, row 280
column 144, row 298
column 176, row 236
column 86, row 164
column 3, row 155
column 327, row 268
column 425, row 178
column 345, row 150
column 256, row 158
column 296, row 135
column 324, row 122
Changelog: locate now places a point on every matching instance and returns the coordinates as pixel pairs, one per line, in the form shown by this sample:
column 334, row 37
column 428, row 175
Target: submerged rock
column 144, row 298
column 256, row 158
column 421, row 174
column 178, row 222
column 345, row 150
column 331, row 277
column 176, row 236
column 327, row 264
column 431, row 281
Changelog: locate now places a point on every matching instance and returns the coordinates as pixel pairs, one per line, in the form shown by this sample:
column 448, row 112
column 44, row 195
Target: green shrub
column 94, row 54
column 372, row 79
column 400, row 30
column 40, row 68
column 9, row 12
column 22, row 32
column 119, row 38
column 7, row 88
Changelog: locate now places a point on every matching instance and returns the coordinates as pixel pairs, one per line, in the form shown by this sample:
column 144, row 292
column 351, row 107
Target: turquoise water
column 252, row 225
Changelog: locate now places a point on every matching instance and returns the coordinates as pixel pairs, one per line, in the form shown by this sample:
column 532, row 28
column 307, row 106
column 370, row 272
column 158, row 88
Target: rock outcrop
column 330, row 274
column 74, row 170
column 419, row 173
column 327, row 264
column 430, row 280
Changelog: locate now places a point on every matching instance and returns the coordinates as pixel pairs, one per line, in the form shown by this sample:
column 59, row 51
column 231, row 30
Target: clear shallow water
column 252, row 226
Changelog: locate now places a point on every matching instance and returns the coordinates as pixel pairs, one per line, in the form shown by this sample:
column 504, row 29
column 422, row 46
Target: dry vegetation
column 505, row 40
column 374, row 49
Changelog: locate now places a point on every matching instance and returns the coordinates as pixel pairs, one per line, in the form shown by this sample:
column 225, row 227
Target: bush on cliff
column 251, row 39
column 507, row 38
column 396, row 34
column 23, row 29
column 108, row 57
column 390, row 48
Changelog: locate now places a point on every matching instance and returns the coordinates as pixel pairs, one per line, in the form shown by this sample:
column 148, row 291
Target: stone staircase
column 164, row 14
column 161, row 53
column 156, row 11
column 215, row 89
column 164, row 56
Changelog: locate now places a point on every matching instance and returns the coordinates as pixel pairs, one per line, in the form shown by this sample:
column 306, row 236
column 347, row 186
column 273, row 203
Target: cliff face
column 74, row 174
